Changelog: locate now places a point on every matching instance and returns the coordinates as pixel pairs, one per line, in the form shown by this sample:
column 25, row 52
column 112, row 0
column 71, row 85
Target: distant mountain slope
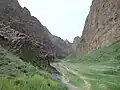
column 62, row 48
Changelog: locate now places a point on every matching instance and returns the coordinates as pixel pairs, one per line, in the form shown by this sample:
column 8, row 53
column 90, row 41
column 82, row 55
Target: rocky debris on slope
column 62, row 48
column 101, row 26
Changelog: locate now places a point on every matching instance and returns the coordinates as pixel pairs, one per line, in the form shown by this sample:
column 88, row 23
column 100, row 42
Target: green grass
column 10, row 65
column 75, row 80
column 29, row 83
column 16, row 74
column 98, row 69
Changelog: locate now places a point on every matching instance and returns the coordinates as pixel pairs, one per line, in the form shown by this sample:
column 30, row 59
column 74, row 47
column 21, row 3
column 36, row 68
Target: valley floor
column 97, row 70
column 84, row 77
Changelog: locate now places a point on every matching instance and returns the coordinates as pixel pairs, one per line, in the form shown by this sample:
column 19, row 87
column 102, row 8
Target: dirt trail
column 87, row 84
column 71, row 87
column 62, row 67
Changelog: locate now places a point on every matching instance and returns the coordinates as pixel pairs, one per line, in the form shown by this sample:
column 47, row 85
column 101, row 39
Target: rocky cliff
column 102, row 25
column 24, row 35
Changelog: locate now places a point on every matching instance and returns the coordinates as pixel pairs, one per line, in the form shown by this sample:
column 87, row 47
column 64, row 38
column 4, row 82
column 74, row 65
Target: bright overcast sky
column 64, row 18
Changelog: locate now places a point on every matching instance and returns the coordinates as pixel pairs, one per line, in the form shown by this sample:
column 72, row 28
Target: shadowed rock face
column 23, row 34
column 102, row 25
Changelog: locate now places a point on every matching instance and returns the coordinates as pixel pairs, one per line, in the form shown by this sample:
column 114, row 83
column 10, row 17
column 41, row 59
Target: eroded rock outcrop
column 101, row 26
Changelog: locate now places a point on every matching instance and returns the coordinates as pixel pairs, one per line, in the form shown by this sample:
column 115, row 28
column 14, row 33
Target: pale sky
column 63, row 18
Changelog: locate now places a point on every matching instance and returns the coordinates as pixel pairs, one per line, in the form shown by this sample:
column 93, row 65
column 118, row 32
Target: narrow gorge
column 32, row 58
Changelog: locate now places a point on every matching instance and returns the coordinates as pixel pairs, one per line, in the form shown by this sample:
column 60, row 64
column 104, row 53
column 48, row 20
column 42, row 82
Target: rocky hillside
column 62, row 48
column 101, row 26
column 24, row 35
